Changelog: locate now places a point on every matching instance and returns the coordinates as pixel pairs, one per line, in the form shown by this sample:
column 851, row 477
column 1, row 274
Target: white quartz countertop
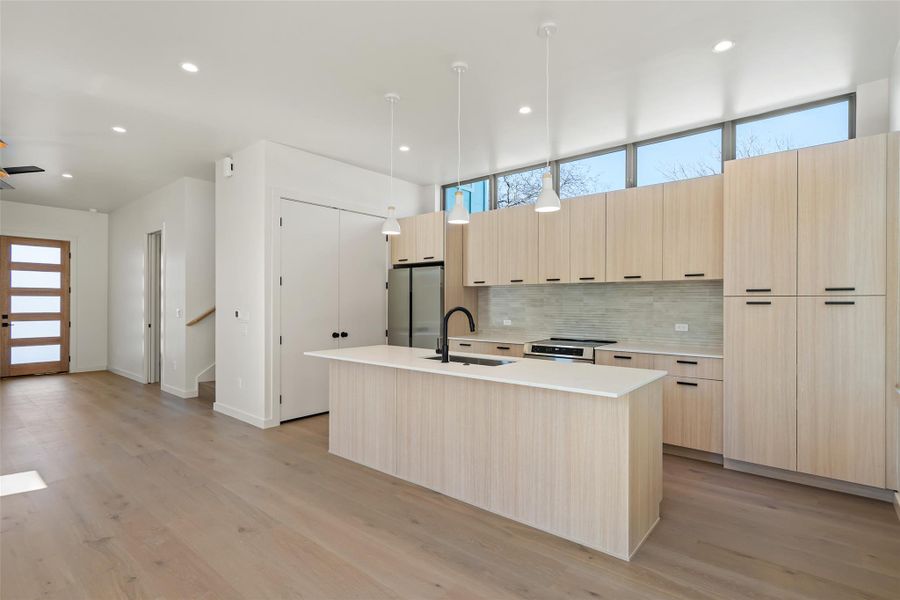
column 579, row 378
column 664, row 348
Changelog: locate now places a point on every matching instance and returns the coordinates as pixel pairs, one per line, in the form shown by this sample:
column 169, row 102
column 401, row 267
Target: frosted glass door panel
column 21, row 330
column 20, row 355
column 35, row 279
column 34, row 304
column 46, row 255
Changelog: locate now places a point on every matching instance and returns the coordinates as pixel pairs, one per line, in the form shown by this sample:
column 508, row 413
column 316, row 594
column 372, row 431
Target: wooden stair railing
column 201, row 317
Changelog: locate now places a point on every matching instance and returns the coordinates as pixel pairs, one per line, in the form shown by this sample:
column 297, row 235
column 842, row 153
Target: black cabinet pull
column 834, row 302
column 690, row 383
column 585, row 279
column 553, row 279
column 478, row 281
column 4, row 325
column 631, row 277
column 502, row 347
column 515, row 280
column 758, row 302
column 344, row 334
column 759, row 289
column 694, row 274
column 335, row 334
column 841, row 289
column 428, row 258
column 621, row 357
column 466, row 345
column 402, row 259
column 686, row 362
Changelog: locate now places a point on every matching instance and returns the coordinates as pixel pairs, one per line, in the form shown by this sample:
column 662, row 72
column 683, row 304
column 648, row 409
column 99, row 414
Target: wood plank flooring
column 152, row 496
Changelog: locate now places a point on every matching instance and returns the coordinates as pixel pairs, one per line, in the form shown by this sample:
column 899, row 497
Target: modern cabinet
column 612, row 358
column 479, row 347
column 554, row 245
column 760, row 247
column 517, row 252
column 587, row 238
column 841, row 208
column 480, row 260
column 692, row 413
column 634, row 228
column 841, row 389
column 692, row 229
column 760, row 370
column 421, row 239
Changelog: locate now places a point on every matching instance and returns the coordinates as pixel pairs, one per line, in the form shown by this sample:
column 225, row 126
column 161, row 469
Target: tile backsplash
column 621, row 311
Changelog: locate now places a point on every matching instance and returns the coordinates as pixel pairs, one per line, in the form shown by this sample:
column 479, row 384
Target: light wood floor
column 153, row 496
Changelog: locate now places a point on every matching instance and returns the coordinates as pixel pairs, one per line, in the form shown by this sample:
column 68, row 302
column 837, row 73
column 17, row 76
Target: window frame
column 560, row 162
column 681, row 134
column 488, row 178
column 554, row 170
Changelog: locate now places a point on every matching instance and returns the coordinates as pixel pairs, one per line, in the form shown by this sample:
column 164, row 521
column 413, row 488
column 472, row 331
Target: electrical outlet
column 681, row 326
column 507, row 322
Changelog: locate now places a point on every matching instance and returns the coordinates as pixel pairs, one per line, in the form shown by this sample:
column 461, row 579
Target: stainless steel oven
column 564, row 349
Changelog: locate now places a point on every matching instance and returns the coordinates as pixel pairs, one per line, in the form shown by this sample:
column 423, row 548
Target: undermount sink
column 471, row 360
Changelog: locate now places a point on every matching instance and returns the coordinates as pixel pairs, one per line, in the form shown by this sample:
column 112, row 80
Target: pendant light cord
column 547, row 79
column 391, row 153
column 458, row 129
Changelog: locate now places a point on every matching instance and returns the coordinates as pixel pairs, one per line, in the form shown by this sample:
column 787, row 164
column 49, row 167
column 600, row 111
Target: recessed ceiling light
column 119, row 129
column 190, row 67
column 525, row 110
column 67, row 175
column 723, row 46
column 403, row 148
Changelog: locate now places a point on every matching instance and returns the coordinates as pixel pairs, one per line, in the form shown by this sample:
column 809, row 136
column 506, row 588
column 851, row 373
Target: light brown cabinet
column 421, row 239
column 760, row 248
column 480, row 243
column 587, row 238
column 554, row 245
column 692, row 413
column 517, row 252
column 841, row 208
column 634, row 228
column 840, row 388
column 479, row 347
column 612, row 358
column 760, row 369
column 692, row 229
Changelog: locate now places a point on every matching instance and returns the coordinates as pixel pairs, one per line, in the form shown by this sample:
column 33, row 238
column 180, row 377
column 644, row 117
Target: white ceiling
column 313, row 75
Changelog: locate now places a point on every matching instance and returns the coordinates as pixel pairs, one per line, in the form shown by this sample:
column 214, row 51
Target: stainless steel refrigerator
column 415, row 306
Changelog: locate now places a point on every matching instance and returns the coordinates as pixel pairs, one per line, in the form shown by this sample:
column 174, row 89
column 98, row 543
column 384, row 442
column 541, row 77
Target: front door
column 34, row 299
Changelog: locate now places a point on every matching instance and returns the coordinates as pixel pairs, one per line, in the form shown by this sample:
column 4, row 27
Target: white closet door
column 309, row 304
column 363, row 272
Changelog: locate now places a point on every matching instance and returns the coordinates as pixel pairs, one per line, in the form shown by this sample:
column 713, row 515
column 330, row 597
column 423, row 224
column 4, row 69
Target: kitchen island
column 571, row 449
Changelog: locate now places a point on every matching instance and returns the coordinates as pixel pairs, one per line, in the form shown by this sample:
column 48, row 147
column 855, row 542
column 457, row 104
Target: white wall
column 894, row 92
column 245, row 215
column 872, row 108
column 179, row 211
column 87, row 233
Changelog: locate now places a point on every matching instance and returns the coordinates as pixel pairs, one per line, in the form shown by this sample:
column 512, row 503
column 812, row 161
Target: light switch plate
column 681, row 326
column 179, row 313
column 507, row 321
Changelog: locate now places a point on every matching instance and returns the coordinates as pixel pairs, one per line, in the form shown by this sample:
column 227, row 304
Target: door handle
column 694, row 274
column 620, row 357
column 344, row 334
column 631, row 277
column 686, row 362
column 759, row 289
column 5, row 325
column 686, row 383
column 334, row 334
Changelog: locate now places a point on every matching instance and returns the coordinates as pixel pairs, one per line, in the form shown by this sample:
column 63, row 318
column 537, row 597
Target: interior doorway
column 34, row 300
column 153, row 339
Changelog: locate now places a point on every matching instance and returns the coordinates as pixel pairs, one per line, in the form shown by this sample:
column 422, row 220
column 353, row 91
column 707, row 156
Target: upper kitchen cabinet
column 692, row 229
column 761, row 225
column 587, row 238
column 554, row 245
column 480, row 246
column 421, row 239
column 841, row 207
column 517, row 251
column 634, row 231
column 403, row 246
column 429, row 237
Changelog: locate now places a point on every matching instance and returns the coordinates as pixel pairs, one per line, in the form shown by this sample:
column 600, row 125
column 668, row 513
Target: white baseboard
column 897, row 503
column 128, row 374
column 88, row 369
column 176, row 391
column 246, row 417
column 207, row 374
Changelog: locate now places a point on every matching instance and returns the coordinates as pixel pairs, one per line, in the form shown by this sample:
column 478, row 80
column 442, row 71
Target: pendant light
column 458, row 214
column 391, row 225
column 548, row 201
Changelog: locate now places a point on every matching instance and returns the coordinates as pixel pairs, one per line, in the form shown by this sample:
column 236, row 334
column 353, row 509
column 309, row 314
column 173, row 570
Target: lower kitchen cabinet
column 476, row 347
column 635, row 360
column 692, row 413
column 760, row 370
column 841, row 388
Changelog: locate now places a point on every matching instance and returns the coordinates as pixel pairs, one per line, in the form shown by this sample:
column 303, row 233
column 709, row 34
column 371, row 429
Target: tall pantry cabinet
column 805, row 310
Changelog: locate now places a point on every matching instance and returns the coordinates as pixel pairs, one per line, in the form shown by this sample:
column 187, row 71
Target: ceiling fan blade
column 20, row 170
column 5, row 186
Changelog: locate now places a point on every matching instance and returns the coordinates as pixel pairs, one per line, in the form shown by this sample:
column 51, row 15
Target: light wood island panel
column 585, row 468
